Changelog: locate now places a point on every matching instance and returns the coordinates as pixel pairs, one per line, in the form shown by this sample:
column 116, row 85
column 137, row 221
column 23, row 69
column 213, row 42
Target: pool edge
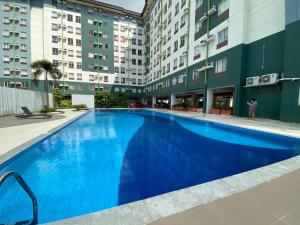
column 151, row 209
column 19, row 150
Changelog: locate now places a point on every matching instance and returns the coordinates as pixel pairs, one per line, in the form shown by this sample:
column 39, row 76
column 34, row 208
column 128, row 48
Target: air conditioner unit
column 211, row 38
column 252, row 81
column 269, row 79
column 202, row 43
column 210, row 65
column 186, row 11
column 203, row 18
column 212, row 10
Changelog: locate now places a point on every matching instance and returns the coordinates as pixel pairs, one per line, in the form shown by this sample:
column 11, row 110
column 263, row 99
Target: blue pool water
column 109, row 158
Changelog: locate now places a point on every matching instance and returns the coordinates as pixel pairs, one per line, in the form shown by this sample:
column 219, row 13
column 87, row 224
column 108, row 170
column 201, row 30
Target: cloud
column 135, row 5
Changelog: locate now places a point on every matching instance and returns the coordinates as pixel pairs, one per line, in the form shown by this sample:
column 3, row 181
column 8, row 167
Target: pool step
column 27, row 189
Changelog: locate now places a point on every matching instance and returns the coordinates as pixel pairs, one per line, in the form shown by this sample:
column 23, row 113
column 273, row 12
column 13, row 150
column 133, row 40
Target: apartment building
column 221, row 53
column 15, row 43
column 211, row 53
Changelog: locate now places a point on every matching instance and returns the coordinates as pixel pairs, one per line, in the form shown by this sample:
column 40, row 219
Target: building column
column 209, row 100
column 172, row 101
column 153, row 101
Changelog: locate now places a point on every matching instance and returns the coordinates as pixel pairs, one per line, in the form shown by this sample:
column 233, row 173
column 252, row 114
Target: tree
column 103, row 99
column 45, row 66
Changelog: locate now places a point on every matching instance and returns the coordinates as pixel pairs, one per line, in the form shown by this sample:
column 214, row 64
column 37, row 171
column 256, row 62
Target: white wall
column 12, row 99
column 83, row 99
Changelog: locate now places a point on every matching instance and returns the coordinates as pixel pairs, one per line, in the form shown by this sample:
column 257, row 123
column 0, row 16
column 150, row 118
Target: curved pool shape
column 109, row 158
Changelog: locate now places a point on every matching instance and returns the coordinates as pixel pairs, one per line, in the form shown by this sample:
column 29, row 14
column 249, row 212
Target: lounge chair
column 29, row 114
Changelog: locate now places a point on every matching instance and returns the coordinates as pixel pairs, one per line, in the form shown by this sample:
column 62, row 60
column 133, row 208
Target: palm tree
column 45, row 66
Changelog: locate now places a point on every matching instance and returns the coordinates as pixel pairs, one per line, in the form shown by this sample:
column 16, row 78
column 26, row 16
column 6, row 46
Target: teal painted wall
column 290, row 108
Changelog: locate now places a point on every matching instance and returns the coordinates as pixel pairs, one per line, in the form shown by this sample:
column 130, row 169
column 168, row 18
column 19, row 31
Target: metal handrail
column 26, row 188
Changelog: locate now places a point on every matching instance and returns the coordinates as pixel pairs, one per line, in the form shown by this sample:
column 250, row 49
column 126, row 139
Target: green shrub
column 79, row 106
column 103, row 100
column 47, row 110
column 66, row 103
column 58, row 96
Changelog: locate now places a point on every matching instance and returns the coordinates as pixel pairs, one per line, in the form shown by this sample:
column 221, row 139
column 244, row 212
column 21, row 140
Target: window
column 70, row 29
column 182, row 21
column 133, row 51
column 78, row 42
column 79, row 76
column 182, row 41
column 116, row 38
column 221, row 65
column 140, row 42
column 71, row 76
column 117, row 69
column 180, row 78
column 23, row 22
column 169, row 18
column 199, row 3
column 122, row 70
column 165, row 8
column 181, row 60
column 223, row 6
column 133, row 41
column 176, row 8
column 55, row 62
column 139, row 62
column 168, row 67
column 78, row 30
column 170, row 3
column 196, row 74
column 183, row 2
column 116, row 48
column 133, row 61
column 174, row 80
column 70, row 18
column 175, row 45
column 140, row 52
column 78, row 19
column 70, row 41
column 198, row 26
column 78, row 65
column 54, row 26
column 197, row 52
column 71, row 65
column 169, row 35
column 116, row 59
column 176, row 27
column 140, row 32
column 54, row 51
column 222, row 37
column 175, row 64
column 91, row 77
column 168, row 51
column 54, row 39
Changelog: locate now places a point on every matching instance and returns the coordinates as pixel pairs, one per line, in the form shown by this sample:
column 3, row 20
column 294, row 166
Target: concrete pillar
column 153, row 101
column 210, row 100
column 194, row 99
column 172, row 101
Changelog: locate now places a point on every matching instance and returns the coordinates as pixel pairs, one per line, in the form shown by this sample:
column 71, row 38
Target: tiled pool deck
column 268, row 195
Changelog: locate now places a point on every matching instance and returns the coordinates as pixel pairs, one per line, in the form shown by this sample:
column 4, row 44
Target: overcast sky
column 135, row 5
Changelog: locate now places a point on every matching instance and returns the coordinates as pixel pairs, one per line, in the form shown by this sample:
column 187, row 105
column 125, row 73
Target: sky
column 135, row 5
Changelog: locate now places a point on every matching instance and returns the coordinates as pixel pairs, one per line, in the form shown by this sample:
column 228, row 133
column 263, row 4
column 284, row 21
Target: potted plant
column 177, row 107
column 226, row 110
column 191, row 108
column 216, row 109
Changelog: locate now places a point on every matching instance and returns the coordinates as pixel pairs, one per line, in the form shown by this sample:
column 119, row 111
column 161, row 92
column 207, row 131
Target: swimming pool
column 112, row 157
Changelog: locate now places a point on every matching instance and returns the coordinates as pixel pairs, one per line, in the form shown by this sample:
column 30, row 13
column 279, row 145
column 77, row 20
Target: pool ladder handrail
column 26, row 188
